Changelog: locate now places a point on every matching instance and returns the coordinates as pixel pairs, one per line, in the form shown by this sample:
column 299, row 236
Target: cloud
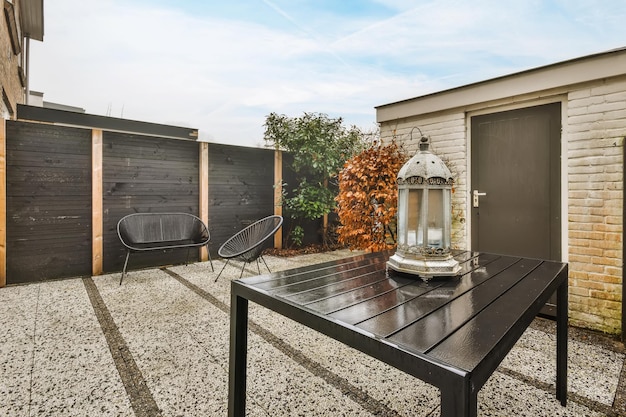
column 223, row 67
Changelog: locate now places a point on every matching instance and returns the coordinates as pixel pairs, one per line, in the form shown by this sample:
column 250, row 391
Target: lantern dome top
column 426, row 167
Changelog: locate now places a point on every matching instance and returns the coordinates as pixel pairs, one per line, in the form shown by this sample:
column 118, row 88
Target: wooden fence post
column 3, row 204
column 278, row 191
column 325, row 219
column 204, row 192
column 96, row 203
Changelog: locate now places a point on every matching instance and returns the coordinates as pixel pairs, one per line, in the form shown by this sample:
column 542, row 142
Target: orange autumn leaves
column 368, row 198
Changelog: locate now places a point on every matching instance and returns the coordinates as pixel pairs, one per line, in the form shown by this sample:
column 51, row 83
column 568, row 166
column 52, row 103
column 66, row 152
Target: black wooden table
column 450, row 332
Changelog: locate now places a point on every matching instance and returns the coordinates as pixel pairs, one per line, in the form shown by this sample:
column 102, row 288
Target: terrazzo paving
column 158, row 346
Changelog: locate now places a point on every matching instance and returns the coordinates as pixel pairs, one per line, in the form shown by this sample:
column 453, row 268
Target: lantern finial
column 424, row 143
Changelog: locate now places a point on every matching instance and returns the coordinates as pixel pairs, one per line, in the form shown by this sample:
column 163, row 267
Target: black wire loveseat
column 140, row 232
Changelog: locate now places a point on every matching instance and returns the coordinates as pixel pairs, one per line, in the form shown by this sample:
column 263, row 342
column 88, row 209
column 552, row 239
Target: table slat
column 297, row 277
column 340, row 301
column 432, row 329
column 441, row 292
column 334, row 278
column 474, row 342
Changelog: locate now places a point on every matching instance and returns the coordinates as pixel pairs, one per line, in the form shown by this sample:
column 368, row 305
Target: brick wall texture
column 10, row 80
column 594, row 129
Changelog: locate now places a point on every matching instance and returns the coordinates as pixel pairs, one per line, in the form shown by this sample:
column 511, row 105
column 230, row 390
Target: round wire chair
column 247, row 244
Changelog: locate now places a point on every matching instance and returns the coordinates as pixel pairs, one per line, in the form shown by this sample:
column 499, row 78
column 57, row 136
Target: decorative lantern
column 424, row 217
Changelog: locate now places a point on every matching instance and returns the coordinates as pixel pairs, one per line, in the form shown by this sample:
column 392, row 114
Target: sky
column 221, row 66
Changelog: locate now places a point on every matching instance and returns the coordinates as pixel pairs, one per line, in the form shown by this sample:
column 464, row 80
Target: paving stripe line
column 620, row 395
column 32, row 354
column 606, row 342
column 141, row 399
column 356, row 394
column 571, row 396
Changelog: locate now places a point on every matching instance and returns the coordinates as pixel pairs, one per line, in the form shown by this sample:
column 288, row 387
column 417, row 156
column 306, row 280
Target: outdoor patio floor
column 158, row 346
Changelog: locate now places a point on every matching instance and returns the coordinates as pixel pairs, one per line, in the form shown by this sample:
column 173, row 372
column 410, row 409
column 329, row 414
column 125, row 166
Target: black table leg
column 457, row 400
column 561, row 340
column 238, row 355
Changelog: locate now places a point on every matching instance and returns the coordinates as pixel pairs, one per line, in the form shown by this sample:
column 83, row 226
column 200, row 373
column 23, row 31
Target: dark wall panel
column 49, row 192
column 48, row 202
column 143, row 174
column 241, row 189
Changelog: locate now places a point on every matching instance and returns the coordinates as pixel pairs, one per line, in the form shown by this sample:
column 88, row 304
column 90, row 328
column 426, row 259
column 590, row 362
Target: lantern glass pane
column 414, row 237
column 402, row 218
column 436, row 218
column 447, row 213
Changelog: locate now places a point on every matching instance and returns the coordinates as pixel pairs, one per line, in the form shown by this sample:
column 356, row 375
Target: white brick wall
column 595, row 129
column 447, row 134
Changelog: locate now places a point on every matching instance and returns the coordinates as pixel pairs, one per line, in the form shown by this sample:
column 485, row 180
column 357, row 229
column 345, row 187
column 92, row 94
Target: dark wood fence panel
column 143, row 174
column 241, row 189
column 49, row 230
column 48, row 202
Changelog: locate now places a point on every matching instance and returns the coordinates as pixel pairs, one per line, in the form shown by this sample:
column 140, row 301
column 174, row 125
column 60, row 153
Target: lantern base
column 424, row 268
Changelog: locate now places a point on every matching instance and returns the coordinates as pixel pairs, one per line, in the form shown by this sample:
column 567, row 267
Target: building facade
column 538, row 158
column 22, row 20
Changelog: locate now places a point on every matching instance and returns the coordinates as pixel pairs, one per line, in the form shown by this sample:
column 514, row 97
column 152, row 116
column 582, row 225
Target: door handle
column 475, row 196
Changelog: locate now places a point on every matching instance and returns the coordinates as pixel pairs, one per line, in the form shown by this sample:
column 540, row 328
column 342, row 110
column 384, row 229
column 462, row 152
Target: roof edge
column 92, row 121
column 573, row 71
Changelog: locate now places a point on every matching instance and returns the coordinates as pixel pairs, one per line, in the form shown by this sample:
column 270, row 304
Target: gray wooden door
column 516, row 174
